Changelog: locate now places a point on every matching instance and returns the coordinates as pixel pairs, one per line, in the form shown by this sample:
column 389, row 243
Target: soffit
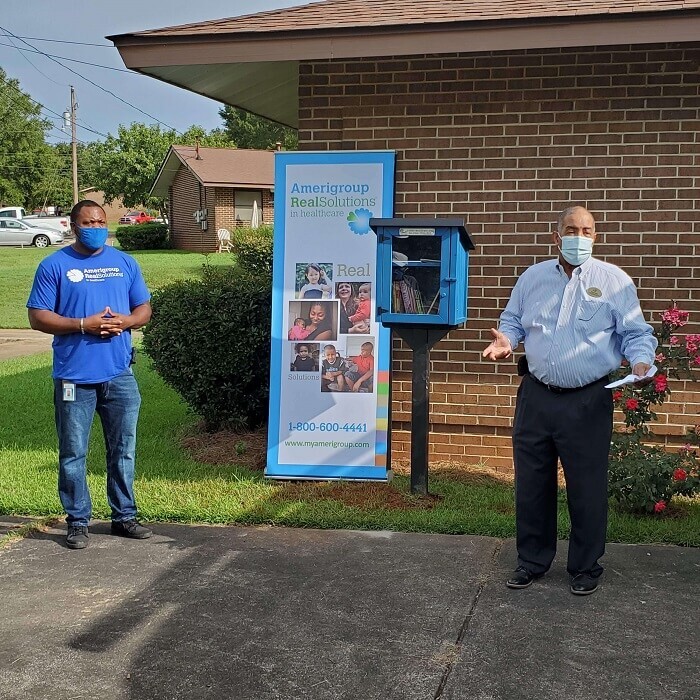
column 252, row 61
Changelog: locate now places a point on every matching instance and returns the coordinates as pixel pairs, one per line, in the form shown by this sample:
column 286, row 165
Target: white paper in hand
column 631, row 378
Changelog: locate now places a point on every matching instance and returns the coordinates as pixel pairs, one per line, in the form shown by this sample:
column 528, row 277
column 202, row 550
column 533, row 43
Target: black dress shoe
column 522, row 578
column 583, row 584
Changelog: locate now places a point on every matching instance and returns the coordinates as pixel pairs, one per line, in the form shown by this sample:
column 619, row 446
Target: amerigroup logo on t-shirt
column 95, row 274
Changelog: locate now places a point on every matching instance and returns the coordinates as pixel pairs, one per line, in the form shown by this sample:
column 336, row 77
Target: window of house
column 243, row 203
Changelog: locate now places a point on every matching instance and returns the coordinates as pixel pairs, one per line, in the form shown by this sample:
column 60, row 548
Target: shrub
column 210, row 340
column 253, row 250
column 643, row 477
column 151, row 236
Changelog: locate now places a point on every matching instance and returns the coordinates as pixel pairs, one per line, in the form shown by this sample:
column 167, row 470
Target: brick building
column 504, row 113
column 226, row 182
column 114, row 210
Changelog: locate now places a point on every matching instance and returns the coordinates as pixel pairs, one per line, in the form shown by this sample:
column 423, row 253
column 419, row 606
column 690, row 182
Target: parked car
column 16, row 232
column 135, row 217
column 60, row 223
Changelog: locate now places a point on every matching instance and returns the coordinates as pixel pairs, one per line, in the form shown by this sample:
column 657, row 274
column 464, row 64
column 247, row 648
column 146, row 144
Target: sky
column 89, row 22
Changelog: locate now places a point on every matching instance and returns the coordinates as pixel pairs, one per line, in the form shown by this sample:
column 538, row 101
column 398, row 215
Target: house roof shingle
column 218, row 167
column 252, row 61
column 357, row 14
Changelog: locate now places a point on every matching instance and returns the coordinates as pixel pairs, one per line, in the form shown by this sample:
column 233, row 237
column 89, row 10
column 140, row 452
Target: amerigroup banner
column 329, row 374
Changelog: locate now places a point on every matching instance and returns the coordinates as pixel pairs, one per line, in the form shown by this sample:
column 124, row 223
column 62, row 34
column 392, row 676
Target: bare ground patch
column 468, row 473
column 365, row 494
column 227, row 447
column 250, row 450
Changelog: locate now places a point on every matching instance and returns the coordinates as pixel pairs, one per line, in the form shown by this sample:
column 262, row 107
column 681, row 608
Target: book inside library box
column 416, row 274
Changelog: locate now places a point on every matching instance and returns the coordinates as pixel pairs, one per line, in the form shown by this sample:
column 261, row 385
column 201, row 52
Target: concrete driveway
column 19, row 342
column 266, row 613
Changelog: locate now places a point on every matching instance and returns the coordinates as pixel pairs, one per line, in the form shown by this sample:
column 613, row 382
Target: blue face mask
column 92, row 238
column 576, row 249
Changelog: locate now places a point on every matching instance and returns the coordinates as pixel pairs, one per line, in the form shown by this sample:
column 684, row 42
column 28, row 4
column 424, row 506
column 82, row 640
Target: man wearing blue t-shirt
column 90, row 296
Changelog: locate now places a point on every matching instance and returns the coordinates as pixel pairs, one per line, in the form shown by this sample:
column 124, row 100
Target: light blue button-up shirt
column 577, row 330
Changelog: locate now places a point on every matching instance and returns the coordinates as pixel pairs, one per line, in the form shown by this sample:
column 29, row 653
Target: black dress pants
column 574, row 427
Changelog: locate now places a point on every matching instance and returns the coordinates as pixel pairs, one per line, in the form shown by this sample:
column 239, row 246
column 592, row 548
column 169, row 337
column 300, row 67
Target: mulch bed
column 249, row 450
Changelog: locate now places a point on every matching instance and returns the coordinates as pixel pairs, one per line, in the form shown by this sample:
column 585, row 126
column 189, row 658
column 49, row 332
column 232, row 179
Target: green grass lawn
column 171, row 486
column 160, row 267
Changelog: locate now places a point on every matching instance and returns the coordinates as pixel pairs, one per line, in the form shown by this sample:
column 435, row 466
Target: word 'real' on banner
column 329, row 375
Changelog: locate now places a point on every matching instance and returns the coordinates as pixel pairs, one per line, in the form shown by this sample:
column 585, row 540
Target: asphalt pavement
column 274, row 613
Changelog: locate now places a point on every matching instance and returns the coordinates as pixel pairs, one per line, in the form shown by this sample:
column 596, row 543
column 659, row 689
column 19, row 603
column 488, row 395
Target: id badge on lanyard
column 68, row 390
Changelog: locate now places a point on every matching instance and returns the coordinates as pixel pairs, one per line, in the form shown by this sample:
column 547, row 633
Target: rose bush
column 645, row 477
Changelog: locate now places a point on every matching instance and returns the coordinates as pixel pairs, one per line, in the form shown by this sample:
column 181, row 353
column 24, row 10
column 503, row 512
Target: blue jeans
column 117, row 403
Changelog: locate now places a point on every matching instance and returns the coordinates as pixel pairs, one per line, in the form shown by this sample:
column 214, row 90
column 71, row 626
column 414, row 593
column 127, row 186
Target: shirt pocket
column 594, row 314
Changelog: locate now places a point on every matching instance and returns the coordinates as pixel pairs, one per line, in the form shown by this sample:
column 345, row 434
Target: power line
column 43, row 107
column 63, row 58
column 61, row 41
column 28, row 61
column 109, row 92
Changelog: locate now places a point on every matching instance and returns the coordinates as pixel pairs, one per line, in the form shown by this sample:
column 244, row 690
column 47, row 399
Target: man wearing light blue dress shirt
column 578, row 317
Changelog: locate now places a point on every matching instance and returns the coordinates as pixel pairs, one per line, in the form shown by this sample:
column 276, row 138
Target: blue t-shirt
column 75, row 286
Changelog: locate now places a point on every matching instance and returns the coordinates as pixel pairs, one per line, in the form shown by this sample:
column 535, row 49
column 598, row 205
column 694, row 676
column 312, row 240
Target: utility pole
column 74, row 143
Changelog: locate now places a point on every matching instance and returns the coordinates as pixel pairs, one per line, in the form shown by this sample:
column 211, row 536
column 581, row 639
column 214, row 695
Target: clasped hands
column 106, row 323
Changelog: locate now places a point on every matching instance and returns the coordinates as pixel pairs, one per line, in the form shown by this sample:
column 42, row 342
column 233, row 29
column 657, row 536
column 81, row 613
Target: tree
column 30, row 169
column 247, row 130
column 125, row 166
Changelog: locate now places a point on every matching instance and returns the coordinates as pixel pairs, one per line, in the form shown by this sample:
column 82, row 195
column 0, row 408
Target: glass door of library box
column 419, row 272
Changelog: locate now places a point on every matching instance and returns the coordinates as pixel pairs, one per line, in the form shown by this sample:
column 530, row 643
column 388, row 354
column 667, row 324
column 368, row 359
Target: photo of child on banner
column 313, row 280
column 359, row 376
column 320, row 320
column 349, row 369
column 355, row 306
column 304, row 357
column 333, row 369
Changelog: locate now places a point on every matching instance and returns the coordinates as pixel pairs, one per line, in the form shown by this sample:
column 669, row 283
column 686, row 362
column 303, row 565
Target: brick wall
column 225, row 209
column 506, row 140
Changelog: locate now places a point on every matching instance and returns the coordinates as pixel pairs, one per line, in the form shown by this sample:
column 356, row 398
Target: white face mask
column 576, row 249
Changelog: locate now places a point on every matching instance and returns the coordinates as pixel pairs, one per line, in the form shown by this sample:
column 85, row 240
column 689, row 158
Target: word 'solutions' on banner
column 329, row 374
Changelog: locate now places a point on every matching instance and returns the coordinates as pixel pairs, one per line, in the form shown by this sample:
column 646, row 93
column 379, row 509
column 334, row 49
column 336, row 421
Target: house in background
column 212, row 188
column 114, row 210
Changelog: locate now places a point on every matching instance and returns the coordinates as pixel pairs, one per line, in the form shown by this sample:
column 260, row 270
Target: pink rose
column 660, row 383
column 660, row 357
column 674, row 317
column 680, row 474
column 659, row 506
column 674, row 340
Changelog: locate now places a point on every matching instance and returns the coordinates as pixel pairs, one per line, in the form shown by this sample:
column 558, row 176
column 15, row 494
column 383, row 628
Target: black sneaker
column 77, row 537
column 132, row 529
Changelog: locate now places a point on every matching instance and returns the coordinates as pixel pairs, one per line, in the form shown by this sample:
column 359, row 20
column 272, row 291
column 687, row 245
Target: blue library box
column 422, row 271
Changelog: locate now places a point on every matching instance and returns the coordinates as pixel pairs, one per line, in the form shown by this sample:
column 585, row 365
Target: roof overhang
column 259, row 71
column 171, row 164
